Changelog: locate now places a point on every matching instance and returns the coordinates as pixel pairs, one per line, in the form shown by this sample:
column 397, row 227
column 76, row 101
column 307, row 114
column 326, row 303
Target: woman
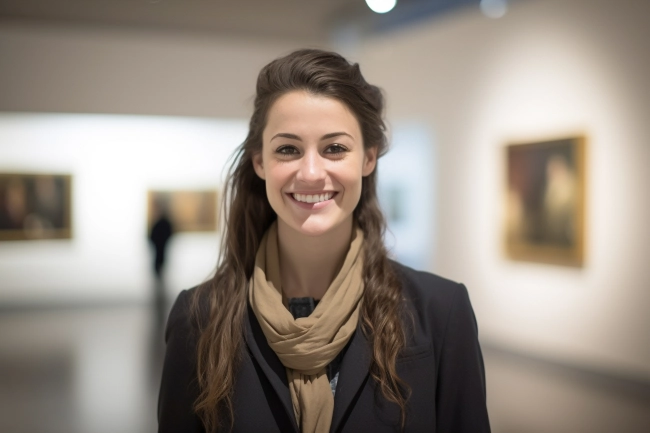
column 307, row 326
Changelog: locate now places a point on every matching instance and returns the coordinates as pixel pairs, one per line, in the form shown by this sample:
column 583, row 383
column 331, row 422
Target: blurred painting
column 544, row 215
column 35, row 206
column 188, row 211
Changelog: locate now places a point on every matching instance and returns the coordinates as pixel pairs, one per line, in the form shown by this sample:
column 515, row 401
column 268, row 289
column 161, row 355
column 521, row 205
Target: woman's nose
column 311, row 167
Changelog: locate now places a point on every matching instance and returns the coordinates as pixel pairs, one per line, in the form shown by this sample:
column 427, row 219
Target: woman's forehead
column 306, row 114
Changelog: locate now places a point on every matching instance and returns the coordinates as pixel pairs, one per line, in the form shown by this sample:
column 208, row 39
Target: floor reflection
column 527, row 395
column 37, row 392
column 91, row 370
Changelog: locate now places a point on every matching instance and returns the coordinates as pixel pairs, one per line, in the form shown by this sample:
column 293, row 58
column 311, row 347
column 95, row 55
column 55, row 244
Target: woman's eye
column 336, row 148
column 286, row 150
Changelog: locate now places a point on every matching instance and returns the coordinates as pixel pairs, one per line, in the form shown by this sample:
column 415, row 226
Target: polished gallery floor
column 96, row 370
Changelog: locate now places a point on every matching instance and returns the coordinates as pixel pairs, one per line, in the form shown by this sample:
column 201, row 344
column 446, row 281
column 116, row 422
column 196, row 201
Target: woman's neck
column 308, row 265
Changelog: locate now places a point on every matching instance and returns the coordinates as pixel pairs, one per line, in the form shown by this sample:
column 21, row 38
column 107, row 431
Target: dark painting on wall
column 188, row 210
column 35, row 206
column 545, row 201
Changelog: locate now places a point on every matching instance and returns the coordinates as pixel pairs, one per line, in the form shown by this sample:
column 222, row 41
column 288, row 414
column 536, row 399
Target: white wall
column 406, row 194
column 114, row 160
column 548, row 68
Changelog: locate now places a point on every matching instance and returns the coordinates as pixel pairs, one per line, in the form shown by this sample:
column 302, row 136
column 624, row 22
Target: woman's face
column 313, row 161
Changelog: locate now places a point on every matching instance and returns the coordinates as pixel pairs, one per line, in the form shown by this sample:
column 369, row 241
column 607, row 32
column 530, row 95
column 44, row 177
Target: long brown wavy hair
column 248, row 214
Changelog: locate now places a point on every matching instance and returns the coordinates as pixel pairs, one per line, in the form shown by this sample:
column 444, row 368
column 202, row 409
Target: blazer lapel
column 354, row 370
column 270, row 363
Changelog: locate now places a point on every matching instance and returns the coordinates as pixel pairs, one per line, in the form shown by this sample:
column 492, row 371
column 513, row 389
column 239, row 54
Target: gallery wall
column 114, row 160
column 547, row 69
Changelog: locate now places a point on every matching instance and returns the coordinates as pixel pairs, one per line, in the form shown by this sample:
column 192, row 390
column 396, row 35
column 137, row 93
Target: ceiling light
column 381, row 6
column 494, row 8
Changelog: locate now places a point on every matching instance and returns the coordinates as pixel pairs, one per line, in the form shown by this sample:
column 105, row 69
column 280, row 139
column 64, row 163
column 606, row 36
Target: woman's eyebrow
column 335, row 134
column 295, row 137
column 286, row 135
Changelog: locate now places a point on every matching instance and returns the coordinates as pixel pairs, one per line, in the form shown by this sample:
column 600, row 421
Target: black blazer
column 442, row 363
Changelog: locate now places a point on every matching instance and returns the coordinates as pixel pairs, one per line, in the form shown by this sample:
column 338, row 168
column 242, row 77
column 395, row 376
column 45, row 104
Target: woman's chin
column 314, row 230
column 316, row 227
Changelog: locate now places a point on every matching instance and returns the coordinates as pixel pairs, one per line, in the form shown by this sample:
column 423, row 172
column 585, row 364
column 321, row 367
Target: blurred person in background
column 160, row 234
column 307, row 325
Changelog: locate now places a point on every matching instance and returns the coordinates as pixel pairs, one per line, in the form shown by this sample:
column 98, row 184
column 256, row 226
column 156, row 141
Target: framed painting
column 545, row 201
column 187, row 210
column 35, row 206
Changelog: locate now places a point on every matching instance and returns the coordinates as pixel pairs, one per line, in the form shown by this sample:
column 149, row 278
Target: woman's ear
column 258, row 165
column 369, row 160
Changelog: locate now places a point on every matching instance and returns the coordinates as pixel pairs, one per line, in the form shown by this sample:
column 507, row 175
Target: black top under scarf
column 303, row 307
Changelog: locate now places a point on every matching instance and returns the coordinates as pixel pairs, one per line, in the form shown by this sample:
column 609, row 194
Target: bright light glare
column 494, row 8
column 381, row 6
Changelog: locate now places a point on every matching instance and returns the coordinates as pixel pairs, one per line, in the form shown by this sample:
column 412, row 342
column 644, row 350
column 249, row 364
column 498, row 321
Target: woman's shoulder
column 183, row 303
column 429, row 293
column 426, row 284
column 440, row 306
column 187, row 312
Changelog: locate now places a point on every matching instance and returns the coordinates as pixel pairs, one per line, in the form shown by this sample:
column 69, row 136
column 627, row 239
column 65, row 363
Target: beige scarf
column 307, row 345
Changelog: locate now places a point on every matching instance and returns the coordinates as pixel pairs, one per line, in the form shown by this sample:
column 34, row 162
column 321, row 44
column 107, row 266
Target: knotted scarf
column 307, row 345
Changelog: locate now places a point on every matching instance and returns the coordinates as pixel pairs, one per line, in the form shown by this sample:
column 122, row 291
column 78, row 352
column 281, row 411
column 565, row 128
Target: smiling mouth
column 313, row 198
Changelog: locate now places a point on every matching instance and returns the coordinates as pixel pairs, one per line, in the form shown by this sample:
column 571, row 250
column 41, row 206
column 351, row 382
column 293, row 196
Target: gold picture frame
column 188, row 210
column 35, row 206
column 544, row 217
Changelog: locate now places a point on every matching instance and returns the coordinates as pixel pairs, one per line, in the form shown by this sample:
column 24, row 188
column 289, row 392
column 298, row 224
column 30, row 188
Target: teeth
column 315, row 198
